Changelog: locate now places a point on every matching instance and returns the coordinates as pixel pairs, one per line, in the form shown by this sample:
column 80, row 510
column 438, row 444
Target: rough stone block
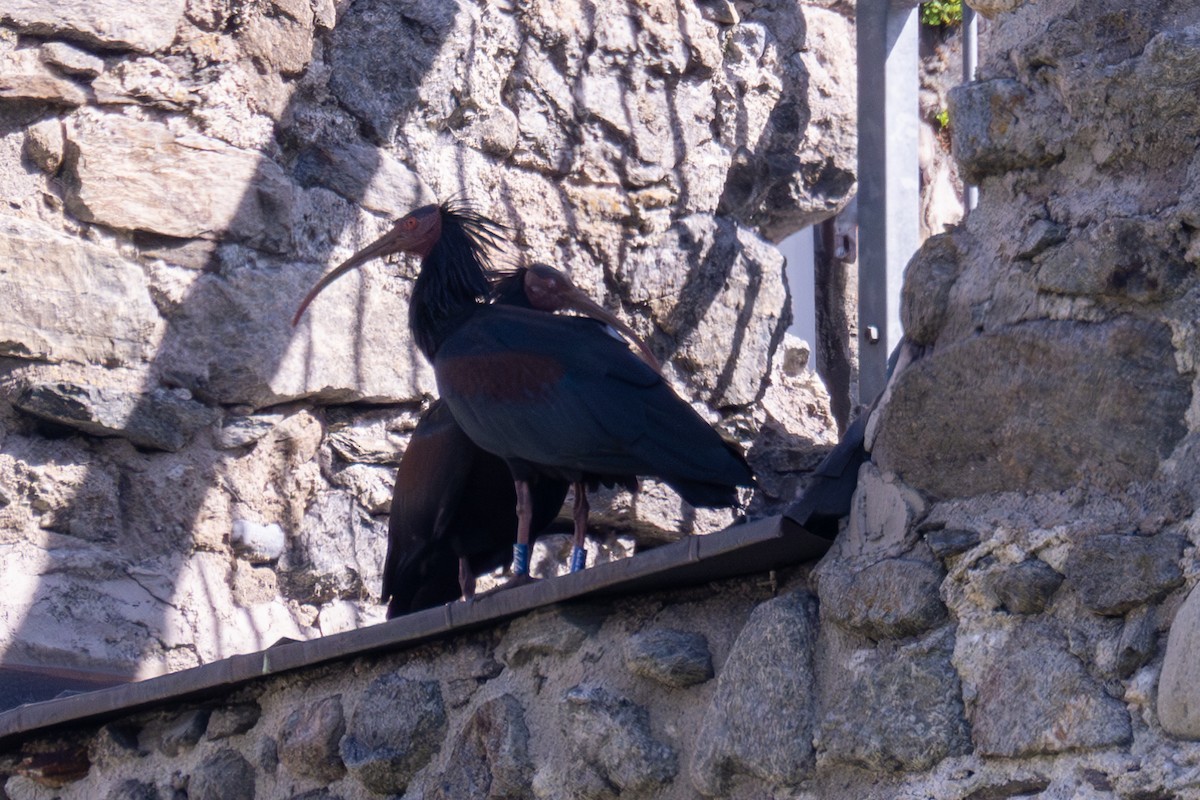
column 23, row 77
column 925, row 294
column 222, row 776
column 996, row 129
column 556, row 631
column 672, row 657
column 612, row 736
column 490, row 759
column 951, row 542
column 1179, row 684
column 46, row 276
column 134, row 175
column 396, row 728
column 44, row 145
column 895, row 707
column 141, row 25
column 184, row 732
column 761, row 718
column 698, row 306
column 1023, row 588
column 232, row 720
column 1038, row 698
column 161, row 419
column 309, row 738
column 1113, row 574
column 1127, row 258
column 375, row 85
column 1038, row 406
column 891, row 599
column 1138, row 642
column 131, row 789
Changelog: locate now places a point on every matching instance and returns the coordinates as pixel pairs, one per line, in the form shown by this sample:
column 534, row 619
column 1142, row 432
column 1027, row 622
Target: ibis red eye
column 409, row 223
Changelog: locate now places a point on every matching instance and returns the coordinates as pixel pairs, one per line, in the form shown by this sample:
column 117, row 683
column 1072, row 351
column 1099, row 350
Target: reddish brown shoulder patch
column 500, row 377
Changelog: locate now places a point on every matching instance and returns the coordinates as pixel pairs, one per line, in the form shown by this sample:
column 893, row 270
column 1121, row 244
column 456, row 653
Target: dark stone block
column 761, row 719
column 309, row 738
column 1023, row 588
column 891, row 599
column 1040, row 406
column 490, row 759
column 1112, row 574
column 1038, row 699
column 612, row 735
column 900, row 708
column 131, row 790
column 397, row 727
column 222, row 776
column 946, row 543
column 675, row 658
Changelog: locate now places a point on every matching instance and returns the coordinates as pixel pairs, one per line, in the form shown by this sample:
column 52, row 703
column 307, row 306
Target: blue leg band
column 520, row 563
column 578, row 559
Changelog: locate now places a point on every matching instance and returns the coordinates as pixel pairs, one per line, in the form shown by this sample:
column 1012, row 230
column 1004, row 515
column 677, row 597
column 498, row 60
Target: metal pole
column 970, row 49
column 889, row 178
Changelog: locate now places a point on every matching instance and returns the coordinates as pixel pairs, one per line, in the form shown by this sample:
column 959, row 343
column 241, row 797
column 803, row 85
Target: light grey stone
column 134, row 175
column 140, row 25
column 379, row 88
column 44, row 145
column 243, row 431
column 928, row 279
column 696, row 306
column 490, row 759
column 145, row 82
column 161, row 419
column 1121, row 413
column 555, row 631
column 258, row 543
column 761, row 719
column 612, row 735
column 47, row 274
column 280, row 37
column 1138, row 643
column 221, row 776
column 231, row 342
column 362, row 174
column 1178, row 702
column 672, row 657
column 1113, row 574
column 1038, row 698
column 396, row 728
column 72, row 59
column 309, row 738
column 24, row 77
column 338, row 550
column 894, row 707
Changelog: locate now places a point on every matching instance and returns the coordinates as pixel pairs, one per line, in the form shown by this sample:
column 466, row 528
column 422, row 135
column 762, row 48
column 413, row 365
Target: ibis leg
column 466, row 579
column 580, row 509
column 520, row 565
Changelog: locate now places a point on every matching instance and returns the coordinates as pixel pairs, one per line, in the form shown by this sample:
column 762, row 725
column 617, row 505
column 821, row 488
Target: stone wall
column 1009, row 612
column 183, row 476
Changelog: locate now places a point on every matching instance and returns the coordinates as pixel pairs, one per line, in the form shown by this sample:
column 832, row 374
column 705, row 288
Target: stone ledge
column 739, row 550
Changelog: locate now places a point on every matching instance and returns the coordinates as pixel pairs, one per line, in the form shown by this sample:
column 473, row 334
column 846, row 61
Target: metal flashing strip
column 739, row 550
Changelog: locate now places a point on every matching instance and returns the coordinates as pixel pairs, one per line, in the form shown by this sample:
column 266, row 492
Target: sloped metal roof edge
column 741, row 549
